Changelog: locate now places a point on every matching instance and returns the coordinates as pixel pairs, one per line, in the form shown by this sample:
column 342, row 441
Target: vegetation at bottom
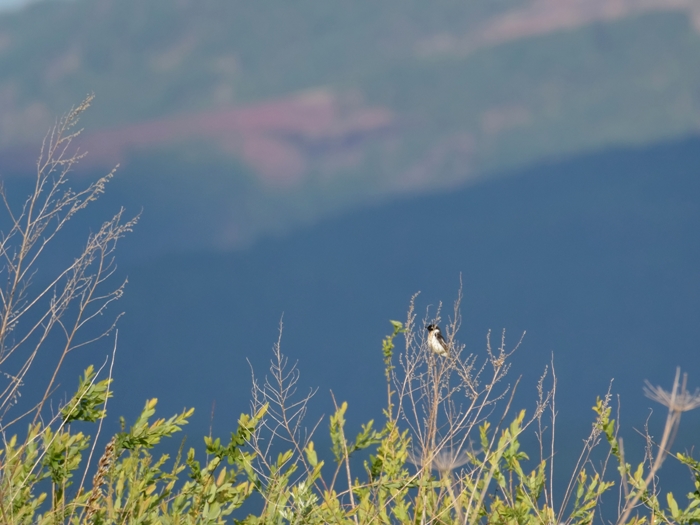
column 447, row 450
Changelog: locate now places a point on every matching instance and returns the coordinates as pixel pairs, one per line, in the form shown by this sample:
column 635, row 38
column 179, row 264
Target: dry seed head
column 445, row 460
column 99, row 478
column 676, row 400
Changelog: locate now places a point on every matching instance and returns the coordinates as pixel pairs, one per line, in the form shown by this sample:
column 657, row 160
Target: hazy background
column 7, row 5
column 326, row 161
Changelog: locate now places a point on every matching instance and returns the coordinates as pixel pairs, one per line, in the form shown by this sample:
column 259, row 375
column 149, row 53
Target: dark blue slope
column 596, row 257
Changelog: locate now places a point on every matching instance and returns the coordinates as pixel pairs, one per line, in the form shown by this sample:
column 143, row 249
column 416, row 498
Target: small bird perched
column 436, row 342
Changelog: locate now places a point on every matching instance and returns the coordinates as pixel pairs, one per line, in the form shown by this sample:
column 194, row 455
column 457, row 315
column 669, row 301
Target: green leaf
column 311, row 456
column 337, row 425
column 673, row 506
column 90, row 396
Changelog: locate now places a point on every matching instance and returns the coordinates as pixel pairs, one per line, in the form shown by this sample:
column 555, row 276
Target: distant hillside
column 596, row 258
column 294, row 111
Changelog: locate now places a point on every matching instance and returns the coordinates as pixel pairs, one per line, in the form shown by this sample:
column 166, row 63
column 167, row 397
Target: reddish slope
column 278, row 139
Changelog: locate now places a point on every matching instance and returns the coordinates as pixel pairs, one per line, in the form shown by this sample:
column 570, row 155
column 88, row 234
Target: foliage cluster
column 447, row 451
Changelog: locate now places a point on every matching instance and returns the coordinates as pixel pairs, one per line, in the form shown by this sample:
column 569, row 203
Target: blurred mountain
column 595, row 257
column 256, row 117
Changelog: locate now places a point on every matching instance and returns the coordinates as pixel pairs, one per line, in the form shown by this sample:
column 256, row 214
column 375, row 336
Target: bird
column 436, row 342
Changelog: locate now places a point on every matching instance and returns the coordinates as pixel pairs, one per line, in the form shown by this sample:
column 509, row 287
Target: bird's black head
column 431, row 327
